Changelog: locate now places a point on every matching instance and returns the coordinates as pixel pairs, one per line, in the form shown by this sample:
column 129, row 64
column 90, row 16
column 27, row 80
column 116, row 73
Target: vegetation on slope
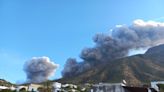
column 5, row 83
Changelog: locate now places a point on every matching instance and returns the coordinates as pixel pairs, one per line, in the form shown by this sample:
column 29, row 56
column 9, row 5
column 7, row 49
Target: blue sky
column 60, row 29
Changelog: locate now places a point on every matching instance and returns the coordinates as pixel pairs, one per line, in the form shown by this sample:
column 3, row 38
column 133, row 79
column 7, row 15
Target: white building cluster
column 10, row 88
column 101, row 87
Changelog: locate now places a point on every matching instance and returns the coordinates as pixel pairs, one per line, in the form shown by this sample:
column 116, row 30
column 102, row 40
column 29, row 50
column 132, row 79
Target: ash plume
column 39, row 69
column 139, row 34
column 72, row 67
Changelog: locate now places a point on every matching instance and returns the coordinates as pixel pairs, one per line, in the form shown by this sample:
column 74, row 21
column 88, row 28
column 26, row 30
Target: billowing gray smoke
column 39, row 69
column 72, row 67
column 123, row 38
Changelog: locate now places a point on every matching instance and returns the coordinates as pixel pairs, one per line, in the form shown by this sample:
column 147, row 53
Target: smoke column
column 39, row 69
column 72, row 67
column 139, row 34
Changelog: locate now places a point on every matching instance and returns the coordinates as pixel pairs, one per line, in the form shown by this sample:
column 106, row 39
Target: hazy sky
column 60, row 29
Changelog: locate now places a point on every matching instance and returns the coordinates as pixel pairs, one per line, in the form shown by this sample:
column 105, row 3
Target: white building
column 12, row 88
column 3, row 87
column 154, row 84
column 57, row 87
column 20, row 87
column 29, row 87
column 107, row 87
column 34, row 87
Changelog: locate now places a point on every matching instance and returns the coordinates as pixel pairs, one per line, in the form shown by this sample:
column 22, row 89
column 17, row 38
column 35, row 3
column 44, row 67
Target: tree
column 5, row 90
column 47, row 86
column 40, row 89
column 161, row 87
column 22, row 90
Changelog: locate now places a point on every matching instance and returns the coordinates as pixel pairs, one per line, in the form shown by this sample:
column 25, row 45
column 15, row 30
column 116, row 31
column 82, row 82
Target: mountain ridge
column 136, row 70
column 3, row 82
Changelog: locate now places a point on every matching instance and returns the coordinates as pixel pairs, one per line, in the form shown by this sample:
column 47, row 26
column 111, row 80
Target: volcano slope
column 136, row 70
